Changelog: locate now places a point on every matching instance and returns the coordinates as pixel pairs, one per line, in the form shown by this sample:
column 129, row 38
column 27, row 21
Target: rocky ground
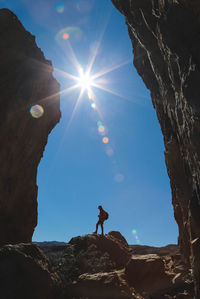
column 96, row 267
column 93, row 267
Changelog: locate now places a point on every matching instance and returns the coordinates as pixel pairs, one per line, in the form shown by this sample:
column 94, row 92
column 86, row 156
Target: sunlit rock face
column 25, row 80
column 166, row 44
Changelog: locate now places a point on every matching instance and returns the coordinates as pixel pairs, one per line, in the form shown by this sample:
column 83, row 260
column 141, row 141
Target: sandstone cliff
column 25, row 80
column 166, row 45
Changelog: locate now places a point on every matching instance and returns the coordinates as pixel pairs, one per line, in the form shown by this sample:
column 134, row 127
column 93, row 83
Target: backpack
column 106, row 216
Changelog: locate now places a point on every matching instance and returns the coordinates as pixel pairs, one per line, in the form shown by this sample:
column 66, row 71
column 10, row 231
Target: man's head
column 100, row 207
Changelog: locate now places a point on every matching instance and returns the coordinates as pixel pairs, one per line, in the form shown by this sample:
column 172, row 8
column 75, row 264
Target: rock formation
column 145, row 271
column 26, row 80
column 96, row 267
column 165, row 35
column 26, row 273
column 91, row 254
column 102, row 286
column 92, row 267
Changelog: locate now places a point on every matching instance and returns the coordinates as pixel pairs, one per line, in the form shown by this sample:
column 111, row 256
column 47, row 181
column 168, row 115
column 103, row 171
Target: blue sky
column 78, row 172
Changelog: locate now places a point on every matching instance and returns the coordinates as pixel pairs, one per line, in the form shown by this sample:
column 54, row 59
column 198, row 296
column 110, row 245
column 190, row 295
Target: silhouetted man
column 103, row 215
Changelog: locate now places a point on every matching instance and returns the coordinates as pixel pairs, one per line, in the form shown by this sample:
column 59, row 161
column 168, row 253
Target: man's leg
column 102, row 228
column 97, row 227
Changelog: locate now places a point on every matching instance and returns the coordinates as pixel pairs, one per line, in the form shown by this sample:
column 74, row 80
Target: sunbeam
column 70, row 121
column 93, row 57
column 112, row 92
column 62, row 92
column 75, row 109
column 65, row 74
column 111, row 69
column 72, row 55
column 86, row 81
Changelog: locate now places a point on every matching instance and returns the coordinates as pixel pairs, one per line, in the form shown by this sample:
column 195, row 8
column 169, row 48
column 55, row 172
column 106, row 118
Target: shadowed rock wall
column 166, row 44
column 25, row 80
column 26, row 273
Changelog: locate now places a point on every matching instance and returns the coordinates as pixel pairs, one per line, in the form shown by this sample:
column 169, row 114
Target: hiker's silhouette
column 103, row 215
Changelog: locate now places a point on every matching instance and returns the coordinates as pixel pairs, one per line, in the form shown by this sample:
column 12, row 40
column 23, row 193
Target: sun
column 85, row 81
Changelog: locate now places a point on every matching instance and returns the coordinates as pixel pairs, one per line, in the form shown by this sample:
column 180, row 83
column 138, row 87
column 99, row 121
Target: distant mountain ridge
column 50, row 243
column 137, row 249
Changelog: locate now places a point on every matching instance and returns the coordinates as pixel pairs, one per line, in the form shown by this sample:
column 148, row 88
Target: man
column 103, row 215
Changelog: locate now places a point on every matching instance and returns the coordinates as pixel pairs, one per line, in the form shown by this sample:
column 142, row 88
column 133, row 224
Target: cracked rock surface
column 165, row 35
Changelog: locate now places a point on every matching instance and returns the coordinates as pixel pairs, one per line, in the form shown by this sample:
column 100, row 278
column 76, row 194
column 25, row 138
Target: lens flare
column 109, row 152
column 65, row 36
column 105, row 140
column 90, row 95
column 101, row 129
column 134, row 232
column 80, row 70
column 36, row 111
column 94, row 106
column 75, row 34
column 99, row 123
column 60, row 7
column 85, row 80
column 119, row 178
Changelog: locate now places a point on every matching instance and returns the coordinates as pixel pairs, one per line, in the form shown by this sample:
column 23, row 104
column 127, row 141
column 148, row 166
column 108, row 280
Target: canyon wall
column 25, row 80
column 165, row 35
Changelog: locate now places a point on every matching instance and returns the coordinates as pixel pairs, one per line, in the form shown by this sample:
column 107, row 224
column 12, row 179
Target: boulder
column 147, row 273
column 114, row 244
column 110, row 285
column 26, row 273
column 91, row 254
column 117, row 236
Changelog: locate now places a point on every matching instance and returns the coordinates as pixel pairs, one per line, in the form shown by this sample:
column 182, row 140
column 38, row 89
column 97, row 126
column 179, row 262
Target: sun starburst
column 86, row 80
